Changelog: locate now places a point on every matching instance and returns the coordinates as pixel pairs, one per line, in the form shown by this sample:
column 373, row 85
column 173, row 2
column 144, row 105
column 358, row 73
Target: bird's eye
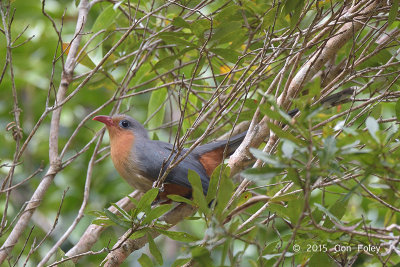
column 125, row 124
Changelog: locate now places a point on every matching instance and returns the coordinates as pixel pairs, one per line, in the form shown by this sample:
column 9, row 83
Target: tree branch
column 55, row 162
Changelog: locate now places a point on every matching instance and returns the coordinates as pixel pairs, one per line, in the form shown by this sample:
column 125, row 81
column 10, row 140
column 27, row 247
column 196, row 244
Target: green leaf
column 329, row 150
column 60, row 255
column 165, row 63
column 321, row 259
column 244, row 198
column 314, row 88
column 291, row 5
column 178, row 198
column 199, row 26
column 146, row 200
column 105, row 19
column 293, row 175
column 123, row 212
column 267, row 158
column 95, row 213
column 373, row 127
column 154, row 250
column 83, row 59
column 266, row 109
column 194, row 218
column 225, row 250
column 228, row 54
column 197, row 189
column 288, row 149
column 271, row 101
column 252, row 263
column 280, row 210
column 156, row 213
column 145, row 261
column 285, row 134
column 117, row 219
column 202, row 256
column 397, row 109
column 178, row 236
column 139, row 233
column 271, row 256
column 213, row 185
column 294, row 18
column 226, row 32
column 392, row 131
column 224, row 194
column 199, row 67
column 133, row 200
column 156, row 104
column 270, row 17
column 225, row 29
column 180, row 262
column 229, row 13
column 393, row 12
column 338, row 209
column 174, row 39
column 180, row 22
column 103, row 222
column 262, row 174
column 294, row 209
column 107, row 45
column 327, row 212
column 286, row 197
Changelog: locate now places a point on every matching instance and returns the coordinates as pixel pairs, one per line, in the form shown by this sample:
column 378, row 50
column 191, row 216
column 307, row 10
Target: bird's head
column 122, row 125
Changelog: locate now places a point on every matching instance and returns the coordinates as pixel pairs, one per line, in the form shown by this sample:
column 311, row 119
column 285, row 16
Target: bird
column 140, row 160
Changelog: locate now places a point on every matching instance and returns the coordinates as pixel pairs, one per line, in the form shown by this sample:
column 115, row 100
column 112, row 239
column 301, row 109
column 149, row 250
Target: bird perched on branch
column 140, row 160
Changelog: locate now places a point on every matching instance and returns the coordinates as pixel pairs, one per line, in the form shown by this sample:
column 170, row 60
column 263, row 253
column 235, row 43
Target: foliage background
column 199, row 69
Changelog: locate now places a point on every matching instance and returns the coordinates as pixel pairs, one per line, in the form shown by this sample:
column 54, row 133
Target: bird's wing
column 154, row 154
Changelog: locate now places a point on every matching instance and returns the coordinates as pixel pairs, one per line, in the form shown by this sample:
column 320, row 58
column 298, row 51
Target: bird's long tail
column 234, row 142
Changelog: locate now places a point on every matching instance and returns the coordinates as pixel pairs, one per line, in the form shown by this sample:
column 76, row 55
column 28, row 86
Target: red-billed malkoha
column 139, row 159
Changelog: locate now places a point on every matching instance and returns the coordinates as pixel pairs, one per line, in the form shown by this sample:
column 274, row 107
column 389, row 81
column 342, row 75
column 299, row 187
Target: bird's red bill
column 104, row 119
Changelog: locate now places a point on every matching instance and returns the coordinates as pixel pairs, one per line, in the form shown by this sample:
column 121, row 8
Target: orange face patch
column 121, row 142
